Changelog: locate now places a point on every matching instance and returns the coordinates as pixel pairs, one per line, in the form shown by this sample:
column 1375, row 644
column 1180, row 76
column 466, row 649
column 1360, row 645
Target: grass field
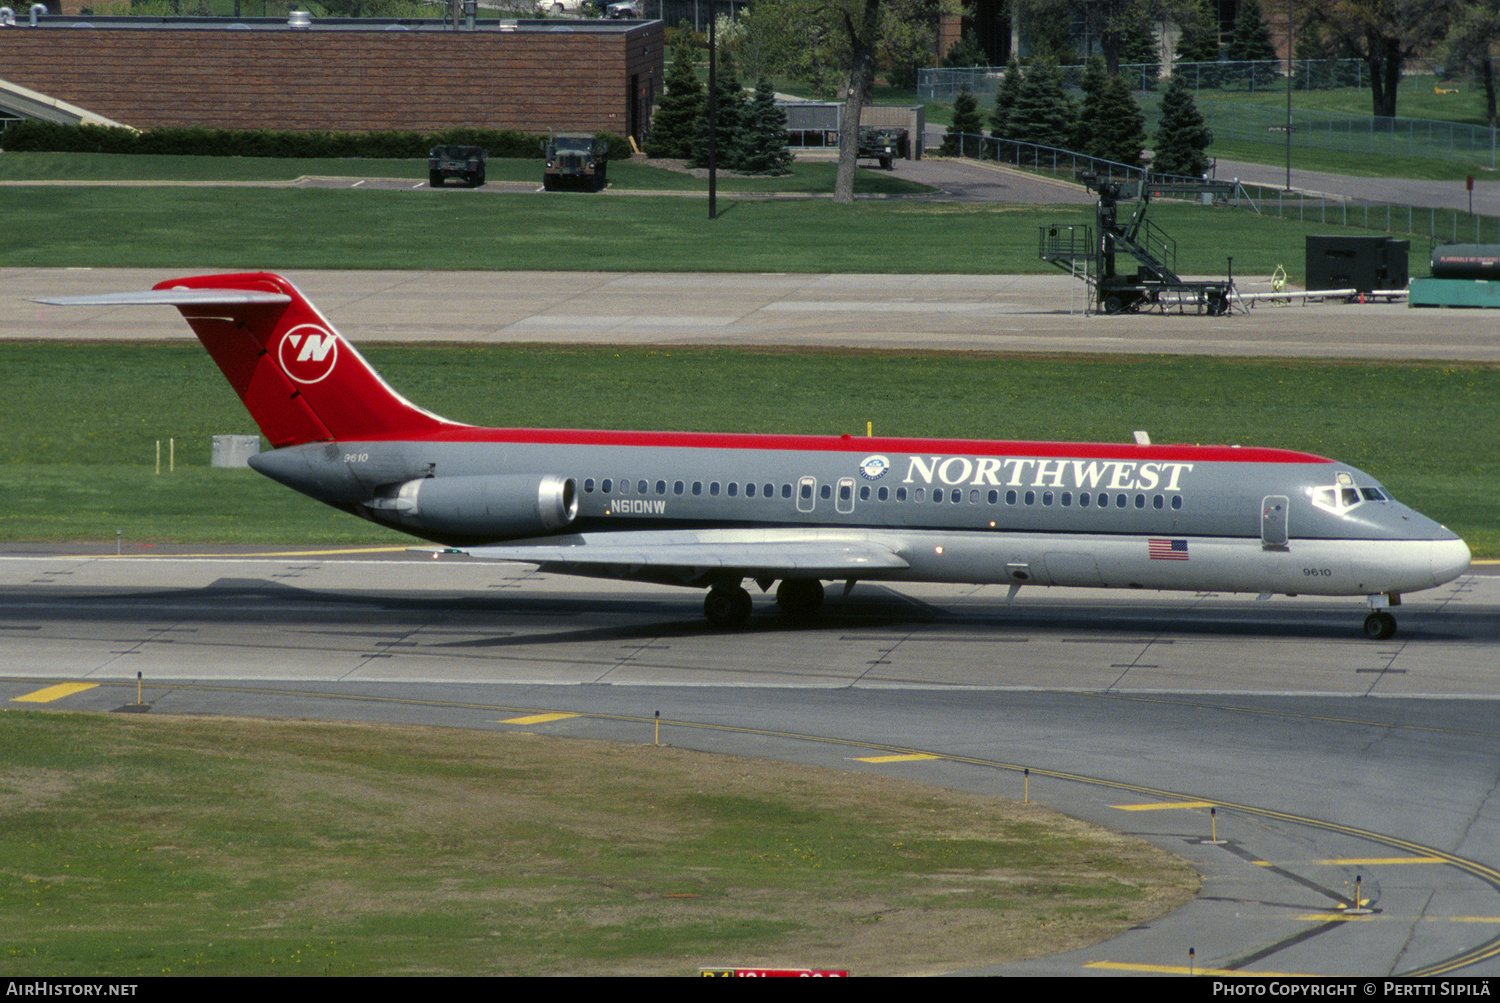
column 218, row 227
column 78, row 458
column 147, row 845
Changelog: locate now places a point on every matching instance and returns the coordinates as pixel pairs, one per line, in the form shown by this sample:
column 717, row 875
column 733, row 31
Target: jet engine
column 491, row 507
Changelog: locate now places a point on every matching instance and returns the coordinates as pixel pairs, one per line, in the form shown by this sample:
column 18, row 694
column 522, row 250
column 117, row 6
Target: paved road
column 1399, row 191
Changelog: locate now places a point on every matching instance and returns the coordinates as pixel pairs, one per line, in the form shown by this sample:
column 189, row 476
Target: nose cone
column 1450, row 558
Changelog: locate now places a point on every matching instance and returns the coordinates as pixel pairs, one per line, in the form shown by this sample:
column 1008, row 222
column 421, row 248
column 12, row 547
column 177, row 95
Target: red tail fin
column 299, row 378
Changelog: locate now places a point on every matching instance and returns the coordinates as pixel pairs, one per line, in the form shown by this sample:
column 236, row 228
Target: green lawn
column 147, row 846
column 217, row 227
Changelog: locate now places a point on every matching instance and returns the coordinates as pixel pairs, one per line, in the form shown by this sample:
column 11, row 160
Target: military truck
column 576, row 159
column 884, row 145
column 466, row 162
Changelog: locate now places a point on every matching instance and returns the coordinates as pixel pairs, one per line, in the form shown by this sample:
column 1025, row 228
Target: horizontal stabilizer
column 171, row 297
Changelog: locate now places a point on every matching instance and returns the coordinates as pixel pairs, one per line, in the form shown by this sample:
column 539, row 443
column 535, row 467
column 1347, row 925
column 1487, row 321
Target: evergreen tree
column 1182, row 139
column 966, row 52
column 1005, row 99
column 1139, row 50
column 964, row 136
column 1120, row 129
column 1086, row 130
column 1252, row 36
column 1251, row 42
column 762, row 146
column 729, row 116
column 1199, row 43
column 1042, row 114
column 676, row 120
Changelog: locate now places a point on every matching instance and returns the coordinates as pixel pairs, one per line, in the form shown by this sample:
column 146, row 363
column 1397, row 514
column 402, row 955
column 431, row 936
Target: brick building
column 343, row 75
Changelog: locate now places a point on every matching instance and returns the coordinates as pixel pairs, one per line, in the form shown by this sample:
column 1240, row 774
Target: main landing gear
column 727, row 604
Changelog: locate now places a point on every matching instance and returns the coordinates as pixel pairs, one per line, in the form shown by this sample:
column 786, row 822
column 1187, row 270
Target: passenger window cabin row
column 900, row 494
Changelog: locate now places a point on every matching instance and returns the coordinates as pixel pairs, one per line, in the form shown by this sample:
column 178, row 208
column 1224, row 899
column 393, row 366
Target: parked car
column 466, row 162
column 576, row 158
column 623, row 9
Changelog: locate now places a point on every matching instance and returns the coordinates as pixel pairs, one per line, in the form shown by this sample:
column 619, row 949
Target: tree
column 964, row 136
column 1182, row 138
column 1468, row 46
column 676, row 121
column 1115, row 26
column 1250, row 45
column 1139, row 48
column 762, row 143
column 1043, row 114
column 1383, row 33
column 1093, row 83
column 1199, row 40
column 729, row 113
column 845, row 40
column 966, row 52
column 1005, row 99
column 1119, row 129
column 1252, row 36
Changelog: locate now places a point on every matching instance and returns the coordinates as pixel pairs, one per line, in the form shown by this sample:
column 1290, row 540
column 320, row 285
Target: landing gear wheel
column 1379, row 625
column 800, row 598
column 727, row 606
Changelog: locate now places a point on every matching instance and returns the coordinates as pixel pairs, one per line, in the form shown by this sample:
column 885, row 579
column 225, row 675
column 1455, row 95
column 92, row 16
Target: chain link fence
column 1245, row 122
column 1363, row 134
column 939, row 85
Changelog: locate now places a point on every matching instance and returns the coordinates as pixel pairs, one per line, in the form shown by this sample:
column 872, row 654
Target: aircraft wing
column 691, row 554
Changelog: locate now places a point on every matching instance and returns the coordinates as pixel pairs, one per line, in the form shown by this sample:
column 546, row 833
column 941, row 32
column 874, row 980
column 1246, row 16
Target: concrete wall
column 583, row 79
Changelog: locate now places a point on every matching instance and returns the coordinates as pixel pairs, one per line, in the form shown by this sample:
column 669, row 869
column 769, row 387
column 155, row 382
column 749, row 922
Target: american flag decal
column 1167, row 550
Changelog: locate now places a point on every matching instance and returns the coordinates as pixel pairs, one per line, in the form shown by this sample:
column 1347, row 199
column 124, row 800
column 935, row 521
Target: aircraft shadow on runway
column 535, row 616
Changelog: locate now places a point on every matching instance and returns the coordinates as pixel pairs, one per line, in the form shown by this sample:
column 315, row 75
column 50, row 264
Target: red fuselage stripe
column 851, row 444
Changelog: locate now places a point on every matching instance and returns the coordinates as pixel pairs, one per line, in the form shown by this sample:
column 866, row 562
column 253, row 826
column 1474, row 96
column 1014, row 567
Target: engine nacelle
column 493, row 507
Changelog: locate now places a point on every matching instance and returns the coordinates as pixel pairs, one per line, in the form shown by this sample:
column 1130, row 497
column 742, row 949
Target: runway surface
column 984, row 313
column 1327, row 758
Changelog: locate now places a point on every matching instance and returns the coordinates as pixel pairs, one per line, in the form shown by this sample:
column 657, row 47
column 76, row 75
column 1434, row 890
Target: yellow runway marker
column 271, row 553
column 54, row 693
column 1120, row 966
column 1164, row 805
column 911, row 758
column 537, row 719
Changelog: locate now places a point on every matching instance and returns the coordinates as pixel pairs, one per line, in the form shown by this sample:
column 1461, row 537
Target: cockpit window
column 1345, row 495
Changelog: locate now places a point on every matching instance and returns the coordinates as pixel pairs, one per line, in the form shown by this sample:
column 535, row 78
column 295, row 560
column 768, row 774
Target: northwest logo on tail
column 308, row 353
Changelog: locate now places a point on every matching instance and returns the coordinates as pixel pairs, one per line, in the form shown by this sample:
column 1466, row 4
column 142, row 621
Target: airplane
column 712, row 511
